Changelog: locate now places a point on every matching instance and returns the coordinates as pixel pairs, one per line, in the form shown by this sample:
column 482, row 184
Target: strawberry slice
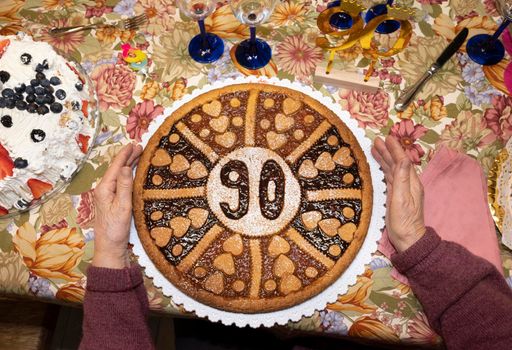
column 3, row 211
column 38, row 187
column 6, row 163
column 85, row 111
column 83, row 142
column 3, row 46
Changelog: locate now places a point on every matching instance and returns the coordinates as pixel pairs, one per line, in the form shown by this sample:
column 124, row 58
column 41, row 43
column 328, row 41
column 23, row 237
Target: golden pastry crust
column 246, row 270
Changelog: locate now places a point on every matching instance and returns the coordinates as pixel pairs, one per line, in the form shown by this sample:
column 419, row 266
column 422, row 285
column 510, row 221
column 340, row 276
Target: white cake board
column 331, row 293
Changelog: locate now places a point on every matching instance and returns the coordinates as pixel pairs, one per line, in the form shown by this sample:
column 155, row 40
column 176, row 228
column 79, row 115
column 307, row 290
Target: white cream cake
column 45, row 126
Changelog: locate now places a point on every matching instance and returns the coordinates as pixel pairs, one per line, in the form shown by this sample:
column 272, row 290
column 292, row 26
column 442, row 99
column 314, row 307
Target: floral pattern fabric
column 45, row 252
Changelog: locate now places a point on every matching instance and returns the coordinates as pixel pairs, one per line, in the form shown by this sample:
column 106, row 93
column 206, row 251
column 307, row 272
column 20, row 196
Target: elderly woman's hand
column 113, row 203
column 404, row 203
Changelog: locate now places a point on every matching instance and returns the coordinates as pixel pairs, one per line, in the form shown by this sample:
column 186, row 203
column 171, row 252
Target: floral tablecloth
column 45, row 253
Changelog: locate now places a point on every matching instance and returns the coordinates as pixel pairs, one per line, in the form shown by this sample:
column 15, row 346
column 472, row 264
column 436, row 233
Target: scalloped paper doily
column 319, row 301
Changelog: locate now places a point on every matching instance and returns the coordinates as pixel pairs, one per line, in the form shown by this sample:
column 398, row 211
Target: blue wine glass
column 386, row 27
column 487, row 49
column 252, row 53
column 204, row 47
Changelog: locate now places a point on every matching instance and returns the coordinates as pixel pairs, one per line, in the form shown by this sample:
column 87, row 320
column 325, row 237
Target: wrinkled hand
column 404, row 202
column 113, row 210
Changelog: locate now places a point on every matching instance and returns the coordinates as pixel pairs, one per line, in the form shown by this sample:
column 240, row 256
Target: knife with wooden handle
column 408, row 95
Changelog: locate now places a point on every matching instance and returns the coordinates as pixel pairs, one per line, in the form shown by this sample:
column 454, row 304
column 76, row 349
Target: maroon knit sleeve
column 115, row 310
column 466, row 300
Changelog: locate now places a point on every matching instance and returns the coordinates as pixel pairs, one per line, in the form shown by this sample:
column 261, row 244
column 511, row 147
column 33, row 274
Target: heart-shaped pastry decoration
column 347, row 231
column 179, row 164
column 156, row 215
column 278, row 245
column 220, row 124
column 161, row 158
column 225, row 263
column 275, row 140
column 283, row 123
column 308, row 170
column 324, row 162
column 289, row 284
column 197, row 217
column 283, row 266
column 161, row 235
column 213, row 108
column 310, row 219
column 179, row 225
column 226, row 140
column 291, row 106
column 233, row 245
column 330, row 226
column 343, row 157
column 215, row 283
column 197, row 170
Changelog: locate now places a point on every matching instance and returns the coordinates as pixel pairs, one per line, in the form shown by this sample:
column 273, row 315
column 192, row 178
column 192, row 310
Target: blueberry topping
column 8, row 93
column 79, row 86
column 20, row 89
column 56, row 107
column 40, row 76
column 26, row 58
column 18, row 97
column 75, row 105
column 31, row 98
column 3, row 102
column 20, row 163
column 49, row 89
column 22, row 204
column 49, row 99
column 60, row 94
column 42, row 66
column 32, row 108
column 39, row 90
column 40, row 99
column 42, row 110
column 10, row 103
column 37, row 135
column 30, row 90
column 4, row 76
column 6, row 121
column 21, row 105
column 45, row 83
column 34, row 82
column 55, row 81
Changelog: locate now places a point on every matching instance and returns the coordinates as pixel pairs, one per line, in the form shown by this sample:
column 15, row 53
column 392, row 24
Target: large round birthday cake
column 252, row 198
column 45, row 127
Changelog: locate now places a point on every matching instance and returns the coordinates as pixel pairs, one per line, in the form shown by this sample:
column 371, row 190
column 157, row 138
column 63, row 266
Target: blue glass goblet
column 204, row 47
column 253, row 53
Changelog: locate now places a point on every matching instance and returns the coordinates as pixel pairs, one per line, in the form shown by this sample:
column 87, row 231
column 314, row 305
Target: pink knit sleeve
column 466, row 300
column 115, row 310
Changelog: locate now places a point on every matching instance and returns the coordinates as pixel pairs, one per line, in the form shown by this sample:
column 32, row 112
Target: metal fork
column 131, row 23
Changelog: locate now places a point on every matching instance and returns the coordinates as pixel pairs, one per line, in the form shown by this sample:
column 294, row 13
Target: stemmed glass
column 487, row 49
column 253, row 53
column 386, row 27
column 204, row 47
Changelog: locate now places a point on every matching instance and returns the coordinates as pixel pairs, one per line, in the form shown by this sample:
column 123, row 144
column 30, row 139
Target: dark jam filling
column 174, row 208
column 327, row 179
column 176, row 180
